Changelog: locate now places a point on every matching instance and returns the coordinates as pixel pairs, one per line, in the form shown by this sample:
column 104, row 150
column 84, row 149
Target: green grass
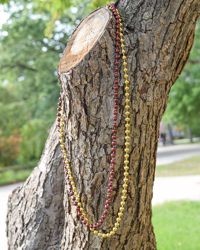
column 189, row 166
column 177, row 225
column 11, row 176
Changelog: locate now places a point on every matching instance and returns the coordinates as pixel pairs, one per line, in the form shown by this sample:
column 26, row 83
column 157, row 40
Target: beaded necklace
column 72, row 188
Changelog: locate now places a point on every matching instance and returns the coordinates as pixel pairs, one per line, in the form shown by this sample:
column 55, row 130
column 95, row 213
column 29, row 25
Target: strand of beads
column 71, row 183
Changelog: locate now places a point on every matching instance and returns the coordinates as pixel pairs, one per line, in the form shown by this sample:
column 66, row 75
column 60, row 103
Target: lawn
column 11, row 176
column 189, row 166
column 177, row 225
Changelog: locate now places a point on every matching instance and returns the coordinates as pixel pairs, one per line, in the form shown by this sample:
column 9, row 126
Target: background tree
column 158, row 37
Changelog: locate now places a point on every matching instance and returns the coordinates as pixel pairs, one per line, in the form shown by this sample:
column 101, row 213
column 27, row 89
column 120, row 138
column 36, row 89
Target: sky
column 3, row 16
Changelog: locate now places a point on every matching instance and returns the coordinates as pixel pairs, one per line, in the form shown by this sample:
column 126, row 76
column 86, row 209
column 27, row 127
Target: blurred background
column 33, row 36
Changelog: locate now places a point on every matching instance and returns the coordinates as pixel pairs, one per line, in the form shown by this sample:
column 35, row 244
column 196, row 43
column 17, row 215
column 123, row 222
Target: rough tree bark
column 158, row 36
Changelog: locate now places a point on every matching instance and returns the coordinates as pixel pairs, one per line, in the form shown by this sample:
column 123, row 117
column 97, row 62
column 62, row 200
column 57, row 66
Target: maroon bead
column 58, row 124
column 74, row 198
column 116, row 81
column 107, row 201
column 110, row 184
column 116, row 69
column 116, row 63
column 109, row 195
column 114, row 125
column 105, row 212
column 70, row 188
column 112, row 167
column 116, row 75
column 72, row 193
column 67, row 177
column 117, row 17
column 115, row 13
column 94, row 226
column 115, row 112
column 59, row 104
column 84, row 222
column 113, row 149
column 103, row 217
column 117, row 27
column 113, row 155
column 64, row 162
column 114, row 143
column 111, row 179
column 112, row 161
column 59, row 109
column 69, row 183
column 116, row 56
column 98, row 224
column 115, row 106
column 79, row 213
column 117, row 51
column 117, row 22
column 91, row 226
column 58, row 114
column 114, row 131
column 117, row 44
column 78, row 208
column 87, row 225
column 117, row 32
column 112, row 173
column 82, row 218
column 60, row 99
column 66, row 172
column 101, row 221
column 117, row 38
column 114, row 118
column 115, row 94
column 106, row 207
column 58, row 119
column 109, row 190
column 114, row 137
column 116, row 87
column 116, row 100
column 75, row 203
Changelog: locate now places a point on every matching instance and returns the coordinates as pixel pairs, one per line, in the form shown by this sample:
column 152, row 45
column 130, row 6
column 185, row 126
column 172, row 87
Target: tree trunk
column 169, row 131
column 158, row 37
column 189, row 134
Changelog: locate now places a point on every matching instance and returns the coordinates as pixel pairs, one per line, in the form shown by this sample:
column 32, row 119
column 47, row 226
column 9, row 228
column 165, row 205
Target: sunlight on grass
column 177, row 225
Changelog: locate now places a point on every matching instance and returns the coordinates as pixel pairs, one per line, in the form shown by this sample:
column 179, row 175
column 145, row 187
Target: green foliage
column 11, row 176
column 177, row 225
column 183, row 106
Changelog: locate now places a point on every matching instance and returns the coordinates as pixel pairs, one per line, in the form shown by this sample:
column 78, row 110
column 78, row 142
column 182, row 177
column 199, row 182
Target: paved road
column 170, row 154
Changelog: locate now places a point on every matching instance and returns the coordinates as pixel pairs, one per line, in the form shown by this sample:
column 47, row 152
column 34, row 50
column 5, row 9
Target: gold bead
column 61, row 130
column 84, row 214
column 126, row 155
column 79, row 204
column 117, row 224
column 127, row 131
column 120, row 24
column 125, row 70
column 125, row 179
column 126, row 162
column 68, row 167
column 120, row 19
column 61, row 125
column 108, row 235
column 126, row 174
column 125, row 76
column 76, row 193
column 127, row 107
column 126, row 88
column 127, row 119
column 112, row 233
column 127, row 125
column 69, row 172
column 65, row 157
column 67, row 162
column 86, row 219
column 127, row 94
column 62, row 115
column 127, row 113
column 91, row 229
column 99, row 234
column 73, row 183
column 62, row 120
column 95, row 232
column 123, row 203
column 121, row 29
column 121, row 40
column 127, row 143
column 118, row 219
column 126, row 168
column 74, row 188
column 124, row 57
column 104, row 235
column 124, row 63
column 127, row 100
column 121, row 208
column 123, row 51
column 62, row 146
column 61, row 135
column 82, row 209
column 120, row 214
column 124, row 191
column 126, row 82
column 122, row 45
column 114, row 229
column 126, row 149
column 123, row 197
